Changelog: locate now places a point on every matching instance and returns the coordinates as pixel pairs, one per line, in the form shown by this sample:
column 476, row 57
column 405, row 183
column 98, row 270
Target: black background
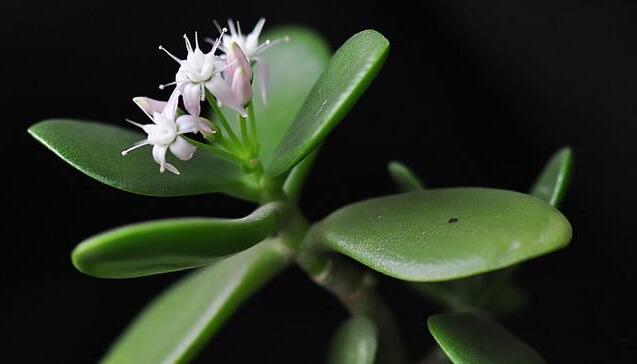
column 473, row 93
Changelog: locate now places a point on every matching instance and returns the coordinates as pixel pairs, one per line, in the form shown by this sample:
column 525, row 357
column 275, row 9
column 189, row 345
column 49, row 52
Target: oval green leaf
column 470, row 338
column 355, row 342
column 552, row 183
column 95, row 149
column 172, row 244
column 350, row 71
column 294, row 67
column 404, row 178
column 178, row 323
column 443, row 234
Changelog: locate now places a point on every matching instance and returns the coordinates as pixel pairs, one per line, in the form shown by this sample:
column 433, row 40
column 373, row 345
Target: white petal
column 170, row 110
column 252, row 40
column 192, row 98
column 159, row 155
column 182, row 149
column 148, row 105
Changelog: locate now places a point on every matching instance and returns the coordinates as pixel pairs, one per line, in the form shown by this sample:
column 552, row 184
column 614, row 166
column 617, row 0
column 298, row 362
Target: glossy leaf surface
column 95, row 149
column 403, row 177
column 355, row 342
column 350, row 71
column 442, row 234
column 172, row 244
column 469, row 338
column 180, row 321
column 553, row 181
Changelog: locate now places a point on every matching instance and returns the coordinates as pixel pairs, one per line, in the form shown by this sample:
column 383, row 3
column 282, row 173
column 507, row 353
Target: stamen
column 163, row 86
column 239, row 29
column 188, row 45
column 233, row 30
column 196, row 40
column 218, row 41
column 267, row 44
column 216, row 23
column 170, row 54
column 135, row 123
column 136, row 145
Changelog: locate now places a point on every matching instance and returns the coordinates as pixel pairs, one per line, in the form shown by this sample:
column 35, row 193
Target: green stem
column 253, row 130
column 223, row 121
column 244, row 135
column 216, row 150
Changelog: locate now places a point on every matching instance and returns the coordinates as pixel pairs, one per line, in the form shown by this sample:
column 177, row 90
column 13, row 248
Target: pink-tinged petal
column 236, row 55
column 241, row 87
column 193, row 124
column 170, row 110
column 148, row 105
column 182, row 149
column 263, row 74
column 221, row 90
column 192, row 98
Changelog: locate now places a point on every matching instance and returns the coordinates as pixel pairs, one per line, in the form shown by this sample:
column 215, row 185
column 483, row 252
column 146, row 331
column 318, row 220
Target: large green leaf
column 172, row 244
column 443, row 234
column 403, row 177
column 350, row 71
column 95, row 149
column 552, row 183
column 470, row 338
column 178, row 323
column 294, row 67
column 355, row 342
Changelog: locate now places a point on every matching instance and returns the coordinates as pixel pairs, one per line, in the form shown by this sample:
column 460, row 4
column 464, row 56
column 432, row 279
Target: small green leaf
column 552, row 183
column 404, row 178
column 434, row 235
column 355, row 342
column 172, row 244
column 350, row 71
column 95, row 149
column 178, row 323
column 470, row 338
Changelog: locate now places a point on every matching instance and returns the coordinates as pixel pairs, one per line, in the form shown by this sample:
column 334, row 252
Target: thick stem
column 354, row 288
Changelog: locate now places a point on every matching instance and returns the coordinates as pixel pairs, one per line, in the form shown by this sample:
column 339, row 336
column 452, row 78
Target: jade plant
column 247, row 118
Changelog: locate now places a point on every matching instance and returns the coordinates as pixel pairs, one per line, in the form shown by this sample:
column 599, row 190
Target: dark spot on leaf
column 452, row 220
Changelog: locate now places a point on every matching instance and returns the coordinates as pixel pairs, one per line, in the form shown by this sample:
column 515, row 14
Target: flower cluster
column 227, row 77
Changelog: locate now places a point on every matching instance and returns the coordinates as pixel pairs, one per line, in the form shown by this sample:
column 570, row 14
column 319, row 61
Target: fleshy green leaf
column 350, row 71
column 552, row 183
column 355, row 342
column 95, row 149
column 443, row 234
column 469, row 338
column 177, row 324
column 294, row 183
column 294, row 67
column 404, row 178
column 172, row 244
